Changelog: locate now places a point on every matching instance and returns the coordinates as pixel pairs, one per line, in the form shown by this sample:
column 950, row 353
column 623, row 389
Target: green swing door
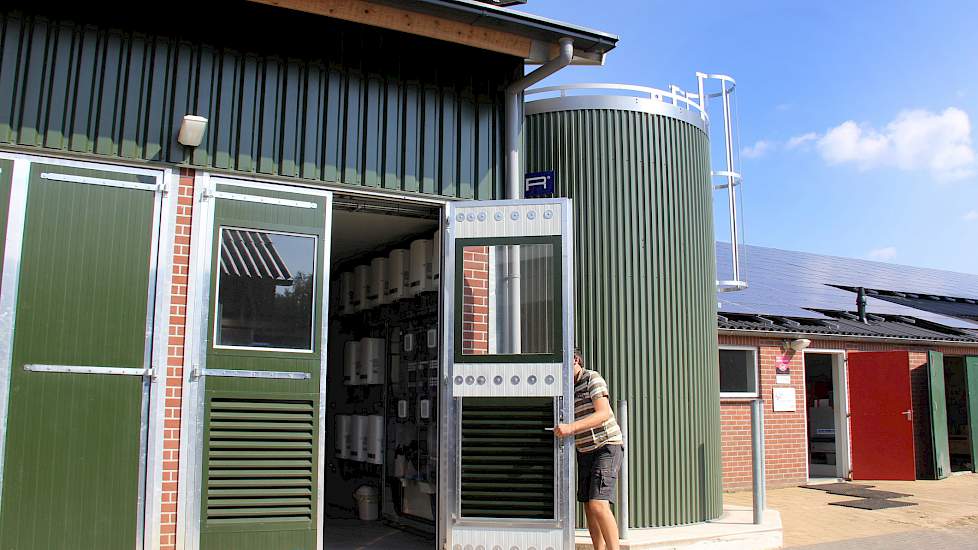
column 72, row 462
column 938, row 414
column 971, row 375
column 260, row 463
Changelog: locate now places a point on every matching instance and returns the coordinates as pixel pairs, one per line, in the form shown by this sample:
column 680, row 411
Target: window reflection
column 509, row 297
column 266, row 290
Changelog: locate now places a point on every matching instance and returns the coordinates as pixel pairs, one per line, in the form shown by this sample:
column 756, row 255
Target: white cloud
column 970, row 216
column 801, row 140
column 759, row 149
column 883, row 254
column 783, row 106
column 915, row 140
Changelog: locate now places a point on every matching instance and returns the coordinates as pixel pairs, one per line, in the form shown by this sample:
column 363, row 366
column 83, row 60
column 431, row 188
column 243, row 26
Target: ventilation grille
column 260, row 461
column 507, row 458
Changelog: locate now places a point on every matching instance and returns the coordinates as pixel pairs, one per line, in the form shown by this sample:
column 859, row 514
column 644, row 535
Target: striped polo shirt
column 588, row 386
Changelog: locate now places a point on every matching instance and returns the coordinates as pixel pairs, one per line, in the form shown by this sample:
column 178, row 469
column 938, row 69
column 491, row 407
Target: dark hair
column 579, row 356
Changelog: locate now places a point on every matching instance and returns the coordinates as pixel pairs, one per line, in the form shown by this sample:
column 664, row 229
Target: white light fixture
column 796, row 345
column 192, row 130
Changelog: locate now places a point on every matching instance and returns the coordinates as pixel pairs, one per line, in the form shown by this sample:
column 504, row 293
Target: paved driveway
column 946, row 511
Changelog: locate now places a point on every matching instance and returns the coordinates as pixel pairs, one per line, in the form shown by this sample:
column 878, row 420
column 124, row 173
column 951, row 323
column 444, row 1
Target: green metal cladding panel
column 645, row 299
column 71, row 473
column 971, row 372
column 287, row 94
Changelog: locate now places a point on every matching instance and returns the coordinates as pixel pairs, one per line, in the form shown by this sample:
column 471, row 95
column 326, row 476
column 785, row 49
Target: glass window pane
column 737, row 371
column 265, row 293
column 490, row 288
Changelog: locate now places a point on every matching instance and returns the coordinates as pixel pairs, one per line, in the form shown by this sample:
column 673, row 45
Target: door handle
column 909, row 414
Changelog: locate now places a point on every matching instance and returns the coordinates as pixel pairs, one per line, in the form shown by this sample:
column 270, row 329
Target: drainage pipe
column 514, row 180
column 757, row 458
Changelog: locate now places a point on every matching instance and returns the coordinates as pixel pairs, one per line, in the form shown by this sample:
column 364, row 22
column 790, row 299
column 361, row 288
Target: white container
column 398, row 270
column 346, row 293
column 351, row 362
column 372, row 361
column 432, row 337
column 420, row 272
column 358, row 438
column 368, row 503
column 361, row 287
column 341, row 436
column 375, row 439
column 378, row 283
column 436, row 259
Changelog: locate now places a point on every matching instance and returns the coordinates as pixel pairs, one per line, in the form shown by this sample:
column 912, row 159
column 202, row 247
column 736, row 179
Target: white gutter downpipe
column 514, row 182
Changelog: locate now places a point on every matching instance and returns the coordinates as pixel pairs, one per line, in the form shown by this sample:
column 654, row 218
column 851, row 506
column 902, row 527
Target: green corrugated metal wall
column 287, row 94
column 646, row 303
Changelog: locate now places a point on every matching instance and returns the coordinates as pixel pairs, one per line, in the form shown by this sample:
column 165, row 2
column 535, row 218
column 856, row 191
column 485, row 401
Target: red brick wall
column 785, row 433
column 475, row 327
column 174, row 369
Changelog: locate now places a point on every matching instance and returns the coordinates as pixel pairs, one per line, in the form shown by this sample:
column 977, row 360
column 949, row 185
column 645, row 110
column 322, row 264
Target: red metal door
column 881, row 415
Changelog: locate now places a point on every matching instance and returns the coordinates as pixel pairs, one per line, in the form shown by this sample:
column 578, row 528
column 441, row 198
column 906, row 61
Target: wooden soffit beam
column 398, row 19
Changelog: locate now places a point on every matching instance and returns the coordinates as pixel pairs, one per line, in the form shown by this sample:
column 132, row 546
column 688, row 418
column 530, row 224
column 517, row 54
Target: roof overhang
column 787, row 335
column 467, row 22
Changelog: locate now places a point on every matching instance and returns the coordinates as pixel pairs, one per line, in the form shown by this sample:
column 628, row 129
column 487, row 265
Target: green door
column 971, row 375
column 261, row 438
column 938, row 415
column 72, row 470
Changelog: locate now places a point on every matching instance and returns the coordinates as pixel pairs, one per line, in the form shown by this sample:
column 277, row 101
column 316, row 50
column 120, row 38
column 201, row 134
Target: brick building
column 918, row 322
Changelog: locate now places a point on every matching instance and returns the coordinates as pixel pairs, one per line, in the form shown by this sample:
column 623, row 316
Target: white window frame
column 217, row 294
column 757, row 373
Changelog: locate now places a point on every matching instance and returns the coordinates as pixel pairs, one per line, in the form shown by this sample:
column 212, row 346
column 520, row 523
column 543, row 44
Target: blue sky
column 856, row 118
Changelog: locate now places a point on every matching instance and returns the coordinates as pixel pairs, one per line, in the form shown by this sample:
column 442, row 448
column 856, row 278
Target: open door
column 881, row 415
column 938, row 414
column 971, row 374
column 507, row 344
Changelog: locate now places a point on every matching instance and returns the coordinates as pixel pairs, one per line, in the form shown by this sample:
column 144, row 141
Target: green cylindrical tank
column 638, row 170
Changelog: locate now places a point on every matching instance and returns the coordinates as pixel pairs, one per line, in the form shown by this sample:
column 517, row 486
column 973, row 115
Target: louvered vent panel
column 260, row 461
column 507, row 458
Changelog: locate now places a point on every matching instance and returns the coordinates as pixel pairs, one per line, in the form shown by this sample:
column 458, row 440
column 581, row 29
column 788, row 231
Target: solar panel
column 786, row 283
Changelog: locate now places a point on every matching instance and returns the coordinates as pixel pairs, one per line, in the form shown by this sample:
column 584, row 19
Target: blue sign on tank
column 538, row 184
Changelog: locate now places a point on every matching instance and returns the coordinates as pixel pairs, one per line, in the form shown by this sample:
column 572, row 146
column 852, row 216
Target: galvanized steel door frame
column 450, row 418
column 157, row 320
column 196, row 348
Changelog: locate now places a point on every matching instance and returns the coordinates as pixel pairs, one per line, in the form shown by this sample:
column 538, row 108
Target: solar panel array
column 785, row 283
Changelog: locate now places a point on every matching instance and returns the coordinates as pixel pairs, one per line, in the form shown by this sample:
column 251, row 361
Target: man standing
column 599, row 453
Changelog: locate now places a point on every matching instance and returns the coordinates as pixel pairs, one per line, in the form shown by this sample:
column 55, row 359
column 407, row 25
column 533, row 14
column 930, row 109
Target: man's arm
column 602, row 412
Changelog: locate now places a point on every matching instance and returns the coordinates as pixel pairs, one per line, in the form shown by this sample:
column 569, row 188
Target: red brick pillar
column 174, row 362
column 475, row 301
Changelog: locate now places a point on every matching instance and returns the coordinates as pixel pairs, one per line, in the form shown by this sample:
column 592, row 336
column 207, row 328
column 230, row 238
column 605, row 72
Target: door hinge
column 194, row 372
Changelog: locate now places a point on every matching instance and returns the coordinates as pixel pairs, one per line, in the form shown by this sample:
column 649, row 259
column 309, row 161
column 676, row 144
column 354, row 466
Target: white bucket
column 368, row 503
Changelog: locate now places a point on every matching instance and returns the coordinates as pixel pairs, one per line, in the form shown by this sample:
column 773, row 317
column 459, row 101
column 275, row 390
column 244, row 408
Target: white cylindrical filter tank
column 378, row 283
column 358, row 437
column 373, row 359
column 346, row 293
column 436, row 260
column 398, row 269
column 341, row 436
column 375, row 439
column 420, row 272
column 361, row 287
column 351, row 362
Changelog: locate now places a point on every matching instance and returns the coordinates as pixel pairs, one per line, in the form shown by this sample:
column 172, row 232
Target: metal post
column 757, row 458
column 623, row 474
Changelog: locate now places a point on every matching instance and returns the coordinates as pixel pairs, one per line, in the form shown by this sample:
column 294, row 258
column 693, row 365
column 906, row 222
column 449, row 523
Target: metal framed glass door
column 507, row 344
column 83, row 298
column 257, row 376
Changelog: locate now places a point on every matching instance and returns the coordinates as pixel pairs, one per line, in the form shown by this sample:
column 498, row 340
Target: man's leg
column 594, row 527
column 599, row 513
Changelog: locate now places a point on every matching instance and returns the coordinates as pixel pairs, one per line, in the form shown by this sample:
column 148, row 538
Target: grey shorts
column 597, row 473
